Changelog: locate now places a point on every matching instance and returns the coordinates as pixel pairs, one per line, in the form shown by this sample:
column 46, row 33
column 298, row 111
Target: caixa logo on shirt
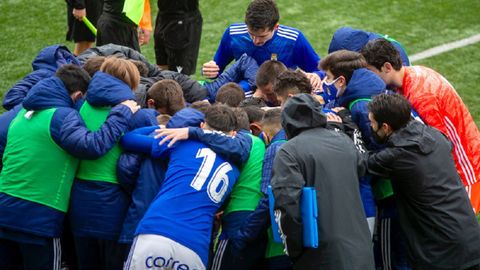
column 159, row 262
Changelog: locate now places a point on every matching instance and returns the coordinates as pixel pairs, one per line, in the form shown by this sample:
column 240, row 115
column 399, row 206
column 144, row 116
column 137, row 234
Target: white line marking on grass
column 445, row 48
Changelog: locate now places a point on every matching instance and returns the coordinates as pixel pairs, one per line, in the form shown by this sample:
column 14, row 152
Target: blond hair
column 123, row 70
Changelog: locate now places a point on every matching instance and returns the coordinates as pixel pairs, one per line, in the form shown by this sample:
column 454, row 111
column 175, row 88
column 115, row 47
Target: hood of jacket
column 363, row 84
column 186, row 117
column 302, row 112
column 414, row 137
column 106, row 90
column 48, row 93
column 347, row 38
column 52, row 57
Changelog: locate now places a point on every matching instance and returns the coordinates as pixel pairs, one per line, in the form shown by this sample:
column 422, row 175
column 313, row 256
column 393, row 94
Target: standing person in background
column 77, row 31
column 119, row 20
column 178, row 29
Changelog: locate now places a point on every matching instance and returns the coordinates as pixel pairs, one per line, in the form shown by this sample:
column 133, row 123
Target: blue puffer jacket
column 48, row 60
column 363, row 85
column 142, row 175
column 25, row 219
column 346, row 38
column 98, row 208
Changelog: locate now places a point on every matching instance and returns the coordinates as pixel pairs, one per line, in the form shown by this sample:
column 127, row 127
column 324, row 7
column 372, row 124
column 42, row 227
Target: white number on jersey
column 219, row 182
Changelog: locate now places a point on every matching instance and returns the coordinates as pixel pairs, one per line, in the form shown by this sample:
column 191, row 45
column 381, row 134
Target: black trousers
column 177, row 41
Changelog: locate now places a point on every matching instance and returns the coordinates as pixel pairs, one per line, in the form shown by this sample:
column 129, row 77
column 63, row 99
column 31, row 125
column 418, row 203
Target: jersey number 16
column 218, row 184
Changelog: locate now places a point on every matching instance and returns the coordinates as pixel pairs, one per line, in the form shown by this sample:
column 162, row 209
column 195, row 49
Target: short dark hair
column 253, row 101
column 255, row 114
column 230, row 94
column 268, row 72
column 141, row 66
column 242, row 119
column 201, row 105
column 391, row 109
column 93, row 64
column 379, row 51
column 221, row 117
column 167, row 94
column 291, row 81
column 74, row 78
column 343, row 63
column 272, row 120
column 262, row 14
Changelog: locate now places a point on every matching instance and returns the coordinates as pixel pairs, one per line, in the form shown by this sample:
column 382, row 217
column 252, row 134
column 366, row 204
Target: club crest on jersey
column 274, row 56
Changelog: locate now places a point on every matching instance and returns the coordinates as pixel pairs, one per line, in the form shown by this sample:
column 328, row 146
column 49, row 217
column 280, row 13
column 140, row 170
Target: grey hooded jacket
column 327, row 160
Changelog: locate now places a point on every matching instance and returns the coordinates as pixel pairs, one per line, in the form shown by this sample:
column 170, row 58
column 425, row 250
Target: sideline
column 445, row 48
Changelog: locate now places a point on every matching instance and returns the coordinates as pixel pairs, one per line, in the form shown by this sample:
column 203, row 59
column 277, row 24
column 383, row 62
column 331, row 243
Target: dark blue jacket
column 346, row 38
column 363, row 85
column 142, row 175
column 48, row 60
column 361, row 88
column 98, row 208
column 25, row 219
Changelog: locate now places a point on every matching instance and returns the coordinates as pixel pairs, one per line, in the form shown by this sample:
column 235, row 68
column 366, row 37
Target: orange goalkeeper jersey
column 439, row 105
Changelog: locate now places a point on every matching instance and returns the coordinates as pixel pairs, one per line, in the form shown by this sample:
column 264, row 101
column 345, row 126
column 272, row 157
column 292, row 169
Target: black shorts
column 117, row 29
column 177, row 41
column 77, row 31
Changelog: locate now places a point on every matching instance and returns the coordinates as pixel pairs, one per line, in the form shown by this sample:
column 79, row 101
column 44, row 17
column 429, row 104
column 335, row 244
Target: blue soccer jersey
column 288, row 45
column 196, row 183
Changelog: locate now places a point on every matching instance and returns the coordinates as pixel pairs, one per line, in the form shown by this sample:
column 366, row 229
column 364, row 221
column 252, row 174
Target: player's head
column 141, row 66
column 255, row 115
column 271, row 124
column 93, row 64
column 290, row 83
column 75, row 79
column 382, row 58
column 339, row 67
column 266, row 76
column 200, row 105
column 230, row 94
column 242, row 119
column 221, row 118
column 163, row 119
column 261, row 19
column 166, row 97
column 123, row 70
column 388, row 113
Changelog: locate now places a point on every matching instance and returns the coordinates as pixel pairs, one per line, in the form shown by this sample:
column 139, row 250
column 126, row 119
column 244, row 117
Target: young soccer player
column 142, row 175
column 347, row 38
column 166, row 97
column 48, row 60
column 230, row 94
column 98, row 203
column 45, row 137
column 266, row 76
column 257, row 223
column 290, row 83
column 437, row 103
column 175, row 231
column 262, row 38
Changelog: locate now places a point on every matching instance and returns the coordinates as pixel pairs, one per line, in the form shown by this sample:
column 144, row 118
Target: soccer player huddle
column 109, row 162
